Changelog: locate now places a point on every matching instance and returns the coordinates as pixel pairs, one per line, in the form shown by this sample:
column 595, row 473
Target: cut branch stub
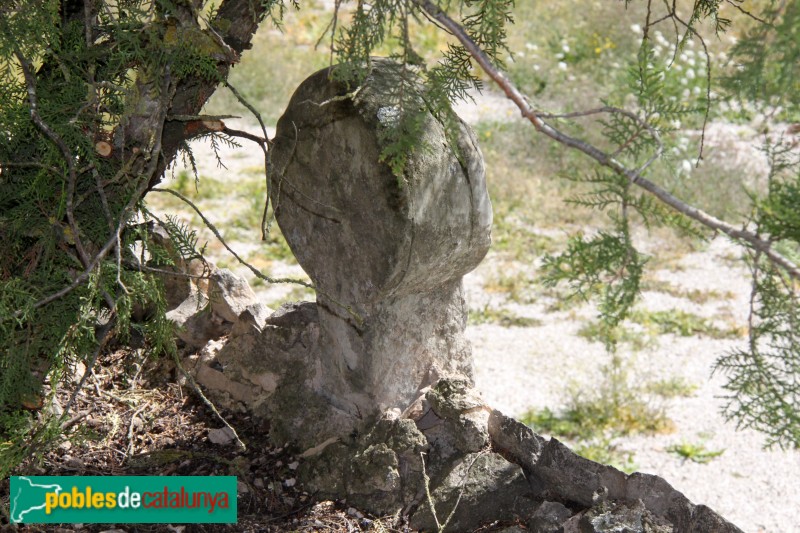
column 393, row 249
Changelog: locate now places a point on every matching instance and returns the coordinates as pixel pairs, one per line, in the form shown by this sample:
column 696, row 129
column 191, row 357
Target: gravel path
column 522, row 368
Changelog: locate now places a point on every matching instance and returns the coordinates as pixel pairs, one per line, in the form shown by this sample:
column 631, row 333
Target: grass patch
column 672, row 388
column 502, row 317
column 511, row 233
column 595, row 417
column 517, row 287
column 681, row 323
column 608, row 453
column 601, row 415
column 654, row 323
column 594, row 331
column 522, row 169
column 693, row 295
column 695, row 452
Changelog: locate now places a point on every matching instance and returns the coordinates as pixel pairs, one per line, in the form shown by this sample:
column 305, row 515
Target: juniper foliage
column 96, row 99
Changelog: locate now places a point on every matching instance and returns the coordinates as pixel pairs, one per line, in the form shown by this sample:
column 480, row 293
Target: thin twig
column 427, row 482
column 615, row 110
column 77, row 418
column 242, row 100
column 163, row 272
column 208, row 402
column 130, row 448
column 737, row 6
column 440, row 527
column 261, row 141
column 192, row 118
column 26, row 164
column 104, row 337
column 349, row 309
column 210, row 225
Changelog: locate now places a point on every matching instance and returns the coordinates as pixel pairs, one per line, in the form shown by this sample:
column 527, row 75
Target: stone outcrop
column 373, row 382
column 210, row 309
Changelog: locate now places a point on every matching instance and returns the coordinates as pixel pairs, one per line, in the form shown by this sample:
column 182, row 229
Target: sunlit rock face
column 386, row 252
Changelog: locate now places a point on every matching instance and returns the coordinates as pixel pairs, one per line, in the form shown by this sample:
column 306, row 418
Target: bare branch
column 210, row 225
column 359, row 320
column 737, row 6
column 261, row 141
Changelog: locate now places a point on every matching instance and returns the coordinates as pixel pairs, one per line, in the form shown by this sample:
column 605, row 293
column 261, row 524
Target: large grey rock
column 229, row 294
column 549, row 517
column 195, row 324
column 575, row 478
column 622, row 518
column 385, row 252
column 479, row 489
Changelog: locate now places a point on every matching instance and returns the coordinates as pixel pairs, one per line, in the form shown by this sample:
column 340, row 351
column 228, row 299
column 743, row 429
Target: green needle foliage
column 85, row 92
column 387, row 24
column 764, row 376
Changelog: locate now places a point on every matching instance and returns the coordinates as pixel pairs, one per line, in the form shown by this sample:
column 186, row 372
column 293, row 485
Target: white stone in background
column 221, row 436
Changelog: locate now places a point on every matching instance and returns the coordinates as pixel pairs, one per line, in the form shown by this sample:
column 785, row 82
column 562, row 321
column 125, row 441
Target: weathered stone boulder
column 386, row 252
column 480, row 488
column 549, row 517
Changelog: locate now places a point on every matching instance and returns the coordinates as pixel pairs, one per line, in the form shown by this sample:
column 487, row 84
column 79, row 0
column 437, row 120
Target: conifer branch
column 143, row 177
column 754, row 240
column 30, row 85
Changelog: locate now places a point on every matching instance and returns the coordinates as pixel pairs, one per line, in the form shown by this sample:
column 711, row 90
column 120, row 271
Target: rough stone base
column 449, row 458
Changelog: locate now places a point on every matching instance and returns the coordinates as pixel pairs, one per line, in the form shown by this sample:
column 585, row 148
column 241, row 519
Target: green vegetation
column 681, row 323
column 671, row 388
column 595, row 418
column 693, row 295
column 502, row 317
column 608, row 452
column 642, row 328
column 595, row 331
column 695, row 452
